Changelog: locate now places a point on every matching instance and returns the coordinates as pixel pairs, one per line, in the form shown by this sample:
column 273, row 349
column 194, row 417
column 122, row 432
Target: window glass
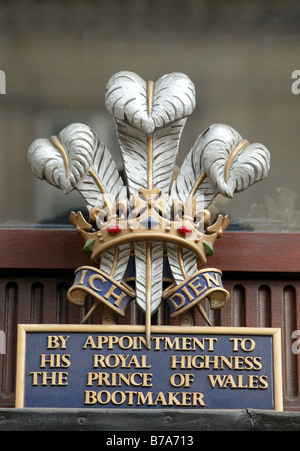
column 243, row 57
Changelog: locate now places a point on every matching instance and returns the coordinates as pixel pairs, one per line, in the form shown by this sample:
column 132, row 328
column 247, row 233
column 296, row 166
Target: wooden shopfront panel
column 261, row 271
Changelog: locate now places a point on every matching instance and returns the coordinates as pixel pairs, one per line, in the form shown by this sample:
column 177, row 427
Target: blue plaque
column 68, row 366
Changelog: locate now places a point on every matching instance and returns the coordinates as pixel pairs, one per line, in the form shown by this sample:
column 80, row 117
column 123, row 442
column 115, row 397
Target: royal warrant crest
column 154, row 223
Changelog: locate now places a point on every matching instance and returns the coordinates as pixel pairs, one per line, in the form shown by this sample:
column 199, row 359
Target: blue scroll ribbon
column 204, row 283
column 93, row 281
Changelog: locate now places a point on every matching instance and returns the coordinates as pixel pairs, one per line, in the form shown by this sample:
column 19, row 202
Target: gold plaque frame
column 249, row 331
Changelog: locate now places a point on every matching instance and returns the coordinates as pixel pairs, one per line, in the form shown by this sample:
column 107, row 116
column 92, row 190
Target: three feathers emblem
column 155, row 216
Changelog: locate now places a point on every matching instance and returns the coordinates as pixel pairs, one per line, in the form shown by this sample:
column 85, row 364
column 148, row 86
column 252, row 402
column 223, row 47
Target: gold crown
column 111, row 227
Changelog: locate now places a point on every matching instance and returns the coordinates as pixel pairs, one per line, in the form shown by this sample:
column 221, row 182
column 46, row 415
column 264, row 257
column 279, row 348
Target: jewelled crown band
column 149, row 223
